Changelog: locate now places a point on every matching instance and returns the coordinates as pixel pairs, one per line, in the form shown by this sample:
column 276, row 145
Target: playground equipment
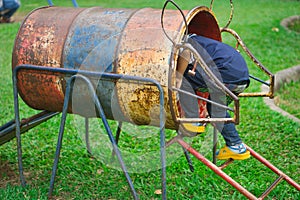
column 128, row 75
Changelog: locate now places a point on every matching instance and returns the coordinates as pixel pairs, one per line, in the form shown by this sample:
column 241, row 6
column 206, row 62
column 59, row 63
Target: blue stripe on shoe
column 238, row 149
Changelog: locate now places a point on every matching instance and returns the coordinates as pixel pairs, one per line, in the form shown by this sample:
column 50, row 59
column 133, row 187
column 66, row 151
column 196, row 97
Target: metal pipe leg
column 60, row 137
column 215, row 140
column 108, row 130
column 118, row 132
column 87, row 136
column 188, row 158
column 18, row 128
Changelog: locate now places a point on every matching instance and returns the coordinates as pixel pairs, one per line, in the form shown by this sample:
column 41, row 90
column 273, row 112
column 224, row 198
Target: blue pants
column 190, row 107
column 9, row 7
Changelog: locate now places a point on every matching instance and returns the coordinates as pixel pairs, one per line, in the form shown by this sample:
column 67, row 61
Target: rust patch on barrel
column 40, row 41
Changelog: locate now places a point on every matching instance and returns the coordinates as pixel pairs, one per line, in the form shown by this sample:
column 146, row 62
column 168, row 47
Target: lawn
column 83, row 177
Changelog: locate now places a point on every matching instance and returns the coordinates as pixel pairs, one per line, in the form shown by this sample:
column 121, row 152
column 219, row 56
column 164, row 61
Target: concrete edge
column 285, row 22
column 281, row 77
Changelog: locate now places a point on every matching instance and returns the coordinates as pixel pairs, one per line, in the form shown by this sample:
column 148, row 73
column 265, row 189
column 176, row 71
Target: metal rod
column 274, row 184
column 18, row 131
column 215, row 140
column 8, row 130
column 87, row 136
column 188, row 158
column 204, row 120
column 273, row 168
column 118, row 132
column 106, row 125
column 226, row 163
column 259, row 80
column 186, row 153
column 202, row 98
column 218, row 171
column 111, row 76
column 60, row 137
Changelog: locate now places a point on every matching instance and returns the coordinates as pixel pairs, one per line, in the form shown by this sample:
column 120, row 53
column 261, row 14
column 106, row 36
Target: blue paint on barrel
column 92, row 45
column 93, row 39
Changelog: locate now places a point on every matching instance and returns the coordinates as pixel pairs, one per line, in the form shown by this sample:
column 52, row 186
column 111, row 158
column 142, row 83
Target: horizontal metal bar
column 104, row 75
column 274, row 184
column 203, row 120
column 259, row 80
column 202, row 98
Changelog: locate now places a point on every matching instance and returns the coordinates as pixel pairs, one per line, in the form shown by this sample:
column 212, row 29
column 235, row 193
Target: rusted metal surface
column 145, row 51
column 122, row 41
column 202, row 21
column 40, row 41
column 271, row 77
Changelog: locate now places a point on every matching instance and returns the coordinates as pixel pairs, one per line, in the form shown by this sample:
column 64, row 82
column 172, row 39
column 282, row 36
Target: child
column 230, row 68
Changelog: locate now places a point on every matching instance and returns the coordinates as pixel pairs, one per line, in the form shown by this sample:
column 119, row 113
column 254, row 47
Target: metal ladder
column 219, row 169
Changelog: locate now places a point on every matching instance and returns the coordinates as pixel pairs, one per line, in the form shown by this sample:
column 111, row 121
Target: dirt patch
column 7, row 175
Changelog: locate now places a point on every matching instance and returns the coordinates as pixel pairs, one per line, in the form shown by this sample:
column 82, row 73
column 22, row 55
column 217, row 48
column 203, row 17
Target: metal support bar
column 118, row 133
column 215, row 140
column 87, row 136
column 218, row 171
column 18, row 129
column 273, row 168
column 69, row 91
column 276, row 182
column 8, row 130
column 75, row 4
column 271, row 83
column 103, row 75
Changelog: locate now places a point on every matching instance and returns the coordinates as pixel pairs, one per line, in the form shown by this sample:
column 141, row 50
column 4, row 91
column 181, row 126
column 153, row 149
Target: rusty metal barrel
column 120, row 41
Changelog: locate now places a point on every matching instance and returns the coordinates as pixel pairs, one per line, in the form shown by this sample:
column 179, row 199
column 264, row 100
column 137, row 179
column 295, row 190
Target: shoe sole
column 242, row 156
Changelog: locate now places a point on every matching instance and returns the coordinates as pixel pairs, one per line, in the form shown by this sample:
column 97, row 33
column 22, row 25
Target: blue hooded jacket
column 224, row 61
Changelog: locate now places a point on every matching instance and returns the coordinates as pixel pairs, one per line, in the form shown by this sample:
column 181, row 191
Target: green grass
column 82, row 177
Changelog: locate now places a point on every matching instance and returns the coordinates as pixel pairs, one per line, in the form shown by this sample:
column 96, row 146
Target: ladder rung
column 226, row 163
column 271, row 187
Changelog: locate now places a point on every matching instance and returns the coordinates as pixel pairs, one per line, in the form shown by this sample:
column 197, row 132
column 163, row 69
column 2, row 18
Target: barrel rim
column 174, row 109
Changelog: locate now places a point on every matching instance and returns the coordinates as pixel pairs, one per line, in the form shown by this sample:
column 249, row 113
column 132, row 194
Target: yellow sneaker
column 226, row 153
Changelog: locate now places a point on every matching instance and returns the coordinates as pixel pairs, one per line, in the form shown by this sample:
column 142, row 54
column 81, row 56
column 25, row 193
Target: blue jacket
column 224, row 61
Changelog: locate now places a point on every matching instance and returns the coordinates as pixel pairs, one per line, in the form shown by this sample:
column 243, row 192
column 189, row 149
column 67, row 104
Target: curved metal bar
column 162, row 22
column 257, row 63
column 93, row 94
column 231, row 15
column 103, row 75
column 231, row 12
